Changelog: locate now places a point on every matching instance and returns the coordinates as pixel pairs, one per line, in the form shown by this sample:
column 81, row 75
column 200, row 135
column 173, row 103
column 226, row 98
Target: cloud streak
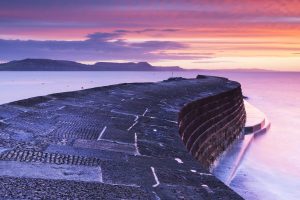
column 202, row 17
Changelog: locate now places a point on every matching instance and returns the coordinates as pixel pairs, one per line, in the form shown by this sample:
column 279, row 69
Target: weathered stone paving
column 114, row 142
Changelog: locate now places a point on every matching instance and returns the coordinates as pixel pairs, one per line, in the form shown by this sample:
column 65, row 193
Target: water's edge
column 226, row 166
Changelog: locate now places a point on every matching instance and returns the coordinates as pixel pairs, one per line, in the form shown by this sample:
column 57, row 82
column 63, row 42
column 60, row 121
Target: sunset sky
column 206, row 34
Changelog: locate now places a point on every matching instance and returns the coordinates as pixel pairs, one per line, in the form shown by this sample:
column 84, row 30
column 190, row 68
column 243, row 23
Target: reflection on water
column 271, row 168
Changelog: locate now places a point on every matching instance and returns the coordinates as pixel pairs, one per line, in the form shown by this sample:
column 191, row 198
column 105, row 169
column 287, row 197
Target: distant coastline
column 64, row 65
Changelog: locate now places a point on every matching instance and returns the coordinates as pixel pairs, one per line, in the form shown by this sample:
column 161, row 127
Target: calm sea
column 271, row 167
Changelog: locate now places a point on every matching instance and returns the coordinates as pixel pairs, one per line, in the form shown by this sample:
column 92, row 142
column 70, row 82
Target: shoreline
column 100, row 136
column 256, row 124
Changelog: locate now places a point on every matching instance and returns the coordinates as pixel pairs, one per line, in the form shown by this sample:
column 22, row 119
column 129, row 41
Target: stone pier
column 126, row 141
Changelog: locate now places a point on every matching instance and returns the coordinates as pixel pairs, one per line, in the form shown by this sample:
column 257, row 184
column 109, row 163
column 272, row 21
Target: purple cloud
column 147, row 30
column 104, row 36
column 97, row 46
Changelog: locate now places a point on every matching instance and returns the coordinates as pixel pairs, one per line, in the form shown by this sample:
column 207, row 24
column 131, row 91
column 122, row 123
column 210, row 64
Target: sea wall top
column 114, row 142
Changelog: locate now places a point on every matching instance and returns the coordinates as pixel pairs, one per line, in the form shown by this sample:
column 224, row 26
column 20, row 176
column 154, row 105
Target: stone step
column 36, row 188
column 106, row 145
column 50, row 171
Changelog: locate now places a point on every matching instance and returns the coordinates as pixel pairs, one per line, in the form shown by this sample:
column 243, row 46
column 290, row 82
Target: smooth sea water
column 271, row 167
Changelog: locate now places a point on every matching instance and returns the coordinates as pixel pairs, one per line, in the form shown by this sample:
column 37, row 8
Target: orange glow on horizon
column 207, row 34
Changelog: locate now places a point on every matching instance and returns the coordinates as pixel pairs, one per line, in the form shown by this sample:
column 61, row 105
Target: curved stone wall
column 208, row 126
column 120, row 141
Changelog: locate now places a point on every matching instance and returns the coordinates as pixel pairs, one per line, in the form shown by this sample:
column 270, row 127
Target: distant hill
column 63, row 65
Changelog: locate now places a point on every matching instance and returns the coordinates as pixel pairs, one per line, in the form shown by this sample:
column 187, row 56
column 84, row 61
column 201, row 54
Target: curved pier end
column 256, row 122
column 226, row 166
column 121, row 141
column 209, row 125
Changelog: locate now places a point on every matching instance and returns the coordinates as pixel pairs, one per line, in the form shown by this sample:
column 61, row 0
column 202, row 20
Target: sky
column 203, row 34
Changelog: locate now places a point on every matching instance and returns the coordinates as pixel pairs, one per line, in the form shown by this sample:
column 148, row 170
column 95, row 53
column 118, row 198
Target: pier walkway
column 114, row 142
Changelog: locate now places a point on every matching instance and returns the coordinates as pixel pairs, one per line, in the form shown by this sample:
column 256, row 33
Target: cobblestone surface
column 129, row 131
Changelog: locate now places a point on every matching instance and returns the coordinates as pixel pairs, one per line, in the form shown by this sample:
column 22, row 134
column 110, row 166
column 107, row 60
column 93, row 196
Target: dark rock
column 201, row 76
column 174, row 79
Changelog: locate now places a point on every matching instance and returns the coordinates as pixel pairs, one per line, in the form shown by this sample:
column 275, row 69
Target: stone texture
column 120, row 142
column 50, row 171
